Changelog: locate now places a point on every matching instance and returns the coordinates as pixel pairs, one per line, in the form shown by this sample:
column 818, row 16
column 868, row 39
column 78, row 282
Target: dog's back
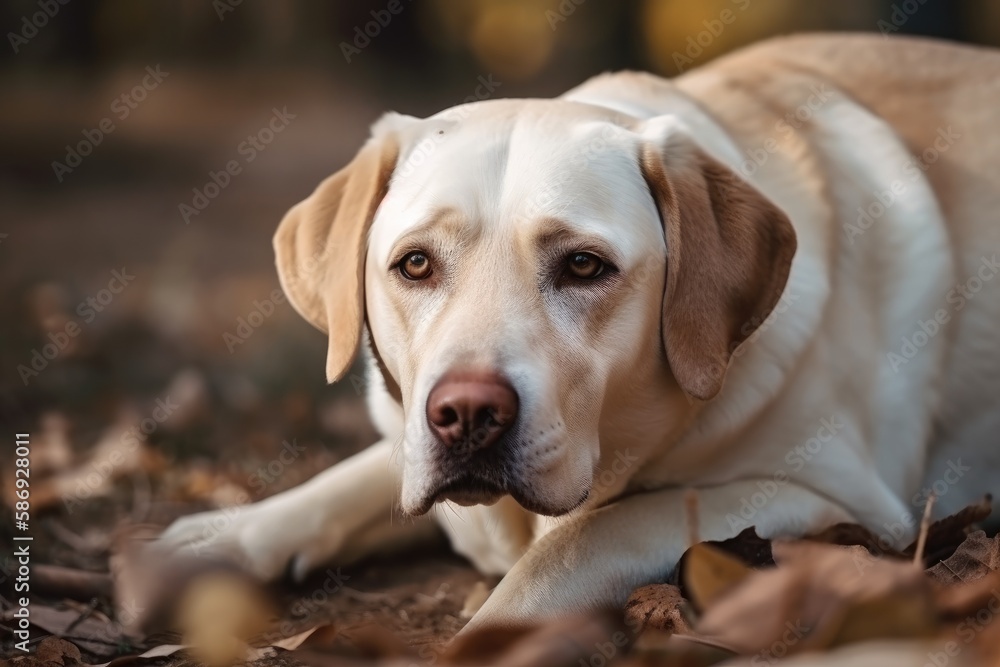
column 918, row 233
column 941, row 101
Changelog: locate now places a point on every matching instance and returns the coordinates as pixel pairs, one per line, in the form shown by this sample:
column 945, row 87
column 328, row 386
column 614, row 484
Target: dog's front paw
column 262, row 539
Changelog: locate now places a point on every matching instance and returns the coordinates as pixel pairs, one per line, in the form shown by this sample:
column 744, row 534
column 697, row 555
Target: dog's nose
column 471, row 408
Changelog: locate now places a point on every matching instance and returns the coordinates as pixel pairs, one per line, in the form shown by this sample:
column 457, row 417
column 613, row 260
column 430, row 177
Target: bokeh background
column 181, row 378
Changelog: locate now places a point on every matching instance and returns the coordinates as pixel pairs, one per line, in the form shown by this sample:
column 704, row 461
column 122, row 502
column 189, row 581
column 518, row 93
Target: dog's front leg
column 343, row 513
column 596, row 559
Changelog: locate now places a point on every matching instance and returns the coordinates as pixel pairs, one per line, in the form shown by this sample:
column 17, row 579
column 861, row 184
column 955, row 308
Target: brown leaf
column 563, row 643
column 155, row 653
column 969, row 581
column 748, row 547
column 821, row 596
column 486, row 643
column 57, row 651
column 295, row 641
column 947, row 535
column 961, row 601
column 250, row 654
column 852, row 534
column 919, row 653
column 978, row 556
column 657, row 607
column 109, row 453
column 594, row 639
column 653, row 649
column 95, row 636
column 321, row 637
column 709, row 573
column 943, row 537
column 987, row 640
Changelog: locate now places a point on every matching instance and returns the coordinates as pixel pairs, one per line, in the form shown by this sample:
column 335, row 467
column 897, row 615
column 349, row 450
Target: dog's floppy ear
column 320, row 249
column 729, row 251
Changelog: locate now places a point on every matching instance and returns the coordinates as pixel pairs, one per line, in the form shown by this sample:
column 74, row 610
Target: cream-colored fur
column 874, row 379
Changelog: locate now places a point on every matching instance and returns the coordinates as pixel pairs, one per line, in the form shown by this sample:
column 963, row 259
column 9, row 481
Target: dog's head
column 528, row 271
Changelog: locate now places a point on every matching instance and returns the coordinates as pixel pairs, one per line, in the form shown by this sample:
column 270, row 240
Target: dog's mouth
column 468, row 490
column 489, row 476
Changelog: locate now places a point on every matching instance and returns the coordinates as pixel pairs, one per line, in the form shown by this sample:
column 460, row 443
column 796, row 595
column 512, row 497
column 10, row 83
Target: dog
column 771, row 279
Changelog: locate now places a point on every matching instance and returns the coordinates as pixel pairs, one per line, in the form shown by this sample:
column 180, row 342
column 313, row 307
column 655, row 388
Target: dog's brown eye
column 585, row 266
column 415, row 266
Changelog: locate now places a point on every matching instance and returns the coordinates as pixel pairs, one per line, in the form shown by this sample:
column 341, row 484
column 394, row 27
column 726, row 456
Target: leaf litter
column 835, row 598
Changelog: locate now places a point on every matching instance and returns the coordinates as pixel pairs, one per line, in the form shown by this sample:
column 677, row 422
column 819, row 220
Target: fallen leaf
column 709, row 573
column 249, row 655
column 975, row 558
column 80, row 482
column 947, row 535
column 155, row 653
column 921, row 653
column 748, row 548
column 594, row 639
column 821, row 596
column 57, row 651
column 961, row 601
column 656, row 649
column 657, row 607
column 855, row 535
column 94, row 636
column 297, row 640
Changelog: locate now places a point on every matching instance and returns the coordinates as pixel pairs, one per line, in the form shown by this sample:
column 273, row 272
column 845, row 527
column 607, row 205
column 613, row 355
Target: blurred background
column 149, row 151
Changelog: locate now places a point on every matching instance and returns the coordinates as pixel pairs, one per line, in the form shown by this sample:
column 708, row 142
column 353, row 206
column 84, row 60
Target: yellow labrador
column 771, row 279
